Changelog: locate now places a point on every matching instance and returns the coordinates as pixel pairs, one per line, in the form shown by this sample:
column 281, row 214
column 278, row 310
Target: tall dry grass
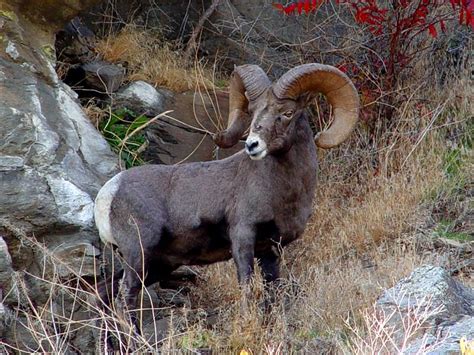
column 358, row 243
column 147, row 56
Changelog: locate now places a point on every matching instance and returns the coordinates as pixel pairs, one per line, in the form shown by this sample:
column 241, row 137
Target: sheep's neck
column 293, row 173
column 291, row 182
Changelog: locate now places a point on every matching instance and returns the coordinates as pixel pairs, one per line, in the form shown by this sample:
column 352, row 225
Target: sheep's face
column 272, row 130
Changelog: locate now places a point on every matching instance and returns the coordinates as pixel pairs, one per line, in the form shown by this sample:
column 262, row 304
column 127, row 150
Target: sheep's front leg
column 243, row 250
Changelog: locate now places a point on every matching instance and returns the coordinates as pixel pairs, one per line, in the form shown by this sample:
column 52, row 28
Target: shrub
column 395, row 37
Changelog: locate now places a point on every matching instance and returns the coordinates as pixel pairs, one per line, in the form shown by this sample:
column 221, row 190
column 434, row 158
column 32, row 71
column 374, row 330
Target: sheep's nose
column 251, row 146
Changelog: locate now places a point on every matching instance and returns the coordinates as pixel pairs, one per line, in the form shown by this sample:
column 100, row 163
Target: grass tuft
column 150, row 58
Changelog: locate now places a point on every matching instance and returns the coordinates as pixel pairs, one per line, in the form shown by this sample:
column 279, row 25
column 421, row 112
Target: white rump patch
column 103, row 203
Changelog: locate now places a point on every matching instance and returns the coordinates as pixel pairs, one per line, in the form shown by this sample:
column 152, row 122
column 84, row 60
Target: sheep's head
column 270, row 109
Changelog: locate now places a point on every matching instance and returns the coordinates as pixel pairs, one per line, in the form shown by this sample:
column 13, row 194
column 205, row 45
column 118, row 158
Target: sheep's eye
column 288, row 114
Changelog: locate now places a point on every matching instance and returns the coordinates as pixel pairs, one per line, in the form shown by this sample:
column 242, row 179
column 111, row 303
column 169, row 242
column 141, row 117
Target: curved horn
column 338, row 89
column 247, row 82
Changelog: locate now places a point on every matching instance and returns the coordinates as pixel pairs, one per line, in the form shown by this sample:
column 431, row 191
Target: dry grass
column 148, row 57
column 384, row 337
column 356, row 245
column 95, row 114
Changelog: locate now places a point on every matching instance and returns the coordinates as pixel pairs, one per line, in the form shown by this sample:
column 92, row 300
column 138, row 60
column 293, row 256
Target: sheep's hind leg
column 125, row 301
column 130, row 287
column 107, row 289
column 135, row 264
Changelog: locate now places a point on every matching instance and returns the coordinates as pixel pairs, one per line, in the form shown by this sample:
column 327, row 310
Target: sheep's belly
column 206, row 244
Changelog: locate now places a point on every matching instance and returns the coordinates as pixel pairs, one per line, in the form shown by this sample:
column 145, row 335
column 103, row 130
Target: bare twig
column 190, row 47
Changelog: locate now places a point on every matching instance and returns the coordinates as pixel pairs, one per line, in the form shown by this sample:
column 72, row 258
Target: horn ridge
column 338, row 89
column 247, row 82
column 255, row 80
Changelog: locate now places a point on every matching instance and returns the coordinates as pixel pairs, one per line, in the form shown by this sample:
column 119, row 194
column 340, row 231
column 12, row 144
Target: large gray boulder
column 445, row 305
column 434, row 284
column 52, row 160
column 186, row 134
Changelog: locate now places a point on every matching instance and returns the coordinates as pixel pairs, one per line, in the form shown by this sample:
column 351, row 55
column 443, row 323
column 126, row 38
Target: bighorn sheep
column 244, row 206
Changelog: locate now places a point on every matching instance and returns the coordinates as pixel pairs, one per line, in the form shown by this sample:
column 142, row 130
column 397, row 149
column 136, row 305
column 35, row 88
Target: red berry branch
column 368, row 12
column 306, row 6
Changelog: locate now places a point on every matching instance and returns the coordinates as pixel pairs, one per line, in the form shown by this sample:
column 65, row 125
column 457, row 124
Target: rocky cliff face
column 52, row 160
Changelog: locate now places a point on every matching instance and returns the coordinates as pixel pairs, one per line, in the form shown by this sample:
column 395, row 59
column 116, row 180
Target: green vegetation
column 444, row 229
column 122, row 130
column 196, row 340
column 455, row 157
column 452, row 200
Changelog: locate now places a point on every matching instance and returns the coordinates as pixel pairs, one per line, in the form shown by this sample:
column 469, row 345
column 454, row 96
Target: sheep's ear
column 247, row 82
column 338, row 89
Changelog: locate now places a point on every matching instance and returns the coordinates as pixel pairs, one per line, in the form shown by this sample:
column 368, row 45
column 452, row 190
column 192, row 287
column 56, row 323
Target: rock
column 75, row 43
column 53, row 159
column 183, row 138
column 102, row 76
column 158, row 329
column 447, row 341
column 79, row 66
column 447, row 304
column 76, row 257
column 52, row 163
column 254, row 31
column 5, row 262
column 19, row 335
column 8, row 290
column 173, row 297
column 241, row 31
column 52, row 15
column 2, row 312
column 433, row 284
column 463, row 328
column 141, row 98
column 56, row 159
column 464, row 248
column 166, row 15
